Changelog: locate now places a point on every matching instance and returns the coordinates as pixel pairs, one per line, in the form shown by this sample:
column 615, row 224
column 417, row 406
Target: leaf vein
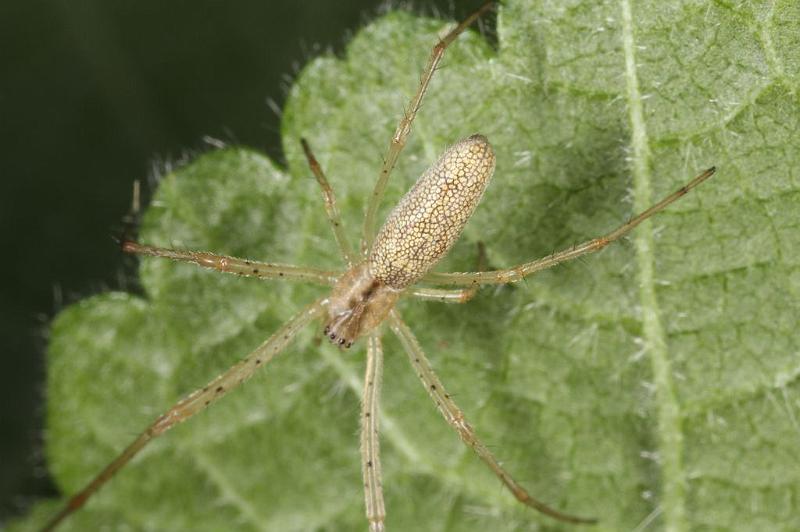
column 227, row 490
column 668, row 409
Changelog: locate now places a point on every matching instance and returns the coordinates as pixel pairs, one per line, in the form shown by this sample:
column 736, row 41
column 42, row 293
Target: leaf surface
column 654, row 385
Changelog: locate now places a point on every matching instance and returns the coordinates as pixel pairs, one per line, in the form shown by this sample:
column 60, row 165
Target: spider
column 419, row 232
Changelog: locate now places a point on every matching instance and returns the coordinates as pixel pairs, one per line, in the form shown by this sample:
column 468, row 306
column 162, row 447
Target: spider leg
column 370, row 444
column 519, row 272
column 398, row 141
column 461, row 295
column 443, row 295
column 455, row 417
column 330, row 205
column 195, row 402
column 243, row 267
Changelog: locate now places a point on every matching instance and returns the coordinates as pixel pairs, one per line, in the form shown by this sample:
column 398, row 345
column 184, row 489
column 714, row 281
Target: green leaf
column 654, row 385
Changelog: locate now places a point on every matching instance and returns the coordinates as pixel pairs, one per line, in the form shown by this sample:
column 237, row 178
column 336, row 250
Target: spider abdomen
column 426, row 223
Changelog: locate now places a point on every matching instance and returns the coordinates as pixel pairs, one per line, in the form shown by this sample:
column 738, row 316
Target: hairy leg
column 455, row 417
column 196, row 402
column 398, row 141
column 370, row 444
column 519, row 272
column 243, row 267
column 330, row 206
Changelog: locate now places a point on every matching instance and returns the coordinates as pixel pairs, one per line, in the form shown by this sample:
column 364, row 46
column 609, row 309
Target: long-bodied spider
column 416, row 235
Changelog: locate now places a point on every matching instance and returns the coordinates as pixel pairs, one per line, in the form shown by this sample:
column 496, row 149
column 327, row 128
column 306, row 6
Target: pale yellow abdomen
column 429, row 219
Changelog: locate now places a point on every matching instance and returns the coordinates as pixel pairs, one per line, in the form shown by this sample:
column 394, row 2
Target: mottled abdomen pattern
column 429, row 219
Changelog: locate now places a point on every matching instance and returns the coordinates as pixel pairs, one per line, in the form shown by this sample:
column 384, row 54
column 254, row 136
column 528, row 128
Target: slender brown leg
column 195, row 402
column 455, row 417
column 243, row 267
column 330, row 206
column 398, row 141
column 370, row 444
column 519, row 272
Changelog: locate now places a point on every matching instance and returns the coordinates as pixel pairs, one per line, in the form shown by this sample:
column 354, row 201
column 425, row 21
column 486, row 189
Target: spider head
column 358, row 303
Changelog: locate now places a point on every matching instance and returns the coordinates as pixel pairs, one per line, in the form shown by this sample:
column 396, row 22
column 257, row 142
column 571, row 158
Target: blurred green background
column 95, row 94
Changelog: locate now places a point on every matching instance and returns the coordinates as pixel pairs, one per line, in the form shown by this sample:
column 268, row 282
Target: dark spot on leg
column 220, row 389
column 433, row 386
column 258, row 361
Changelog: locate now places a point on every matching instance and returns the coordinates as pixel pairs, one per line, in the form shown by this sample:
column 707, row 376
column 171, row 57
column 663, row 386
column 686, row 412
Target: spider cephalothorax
column 357, row 304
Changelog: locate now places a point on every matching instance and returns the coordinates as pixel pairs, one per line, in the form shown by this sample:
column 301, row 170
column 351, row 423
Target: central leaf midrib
column 670, row 435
